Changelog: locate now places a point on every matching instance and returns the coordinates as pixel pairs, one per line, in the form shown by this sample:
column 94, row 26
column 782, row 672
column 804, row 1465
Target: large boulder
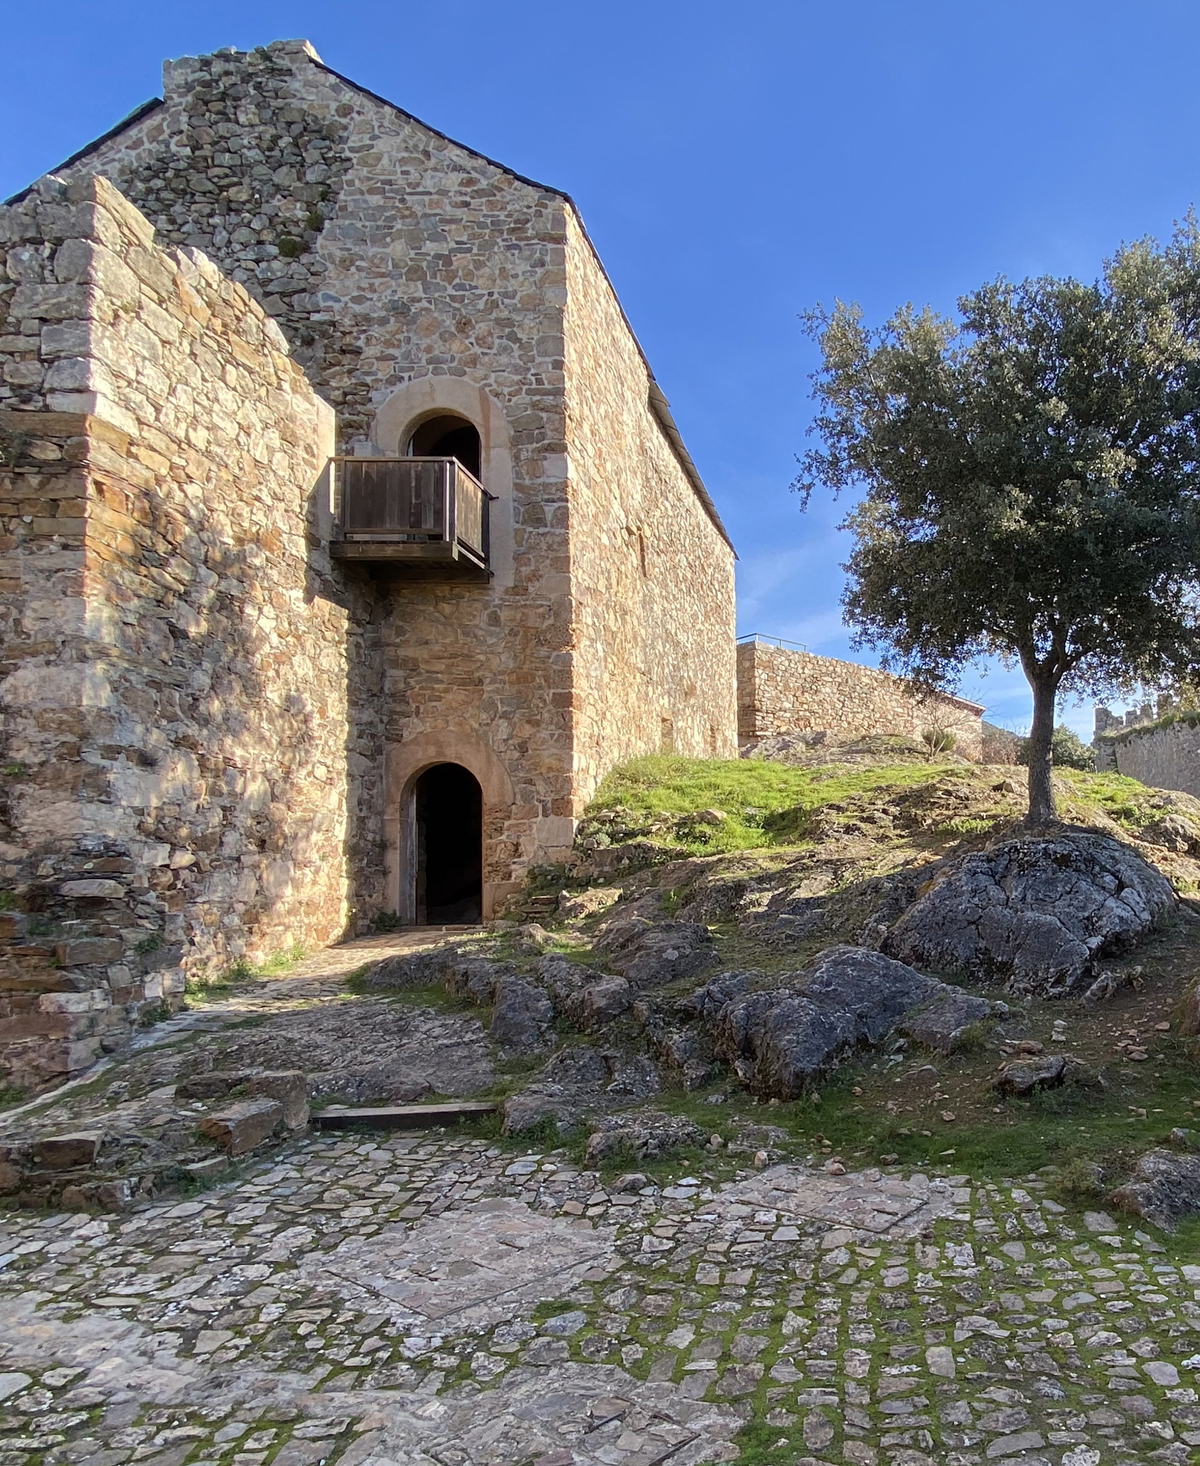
column 1164, row 1188
column 783, row 1039
column 1033, row 913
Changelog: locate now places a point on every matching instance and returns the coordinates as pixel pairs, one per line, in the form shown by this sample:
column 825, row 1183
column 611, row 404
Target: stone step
column 402, row 1117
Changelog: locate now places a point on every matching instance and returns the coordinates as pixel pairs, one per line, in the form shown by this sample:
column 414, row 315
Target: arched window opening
column 448, row 818
column 447, row 436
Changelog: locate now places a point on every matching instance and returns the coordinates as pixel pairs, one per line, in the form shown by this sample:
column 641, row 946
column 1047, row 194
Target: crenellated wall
column 781, row 691
column 1164, row 755
column 178, row 652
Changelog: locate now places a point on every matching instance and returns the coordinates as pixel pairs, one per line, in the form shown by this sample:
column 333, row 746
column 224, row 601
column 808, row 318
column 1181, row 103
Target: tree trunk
column 1042, row 809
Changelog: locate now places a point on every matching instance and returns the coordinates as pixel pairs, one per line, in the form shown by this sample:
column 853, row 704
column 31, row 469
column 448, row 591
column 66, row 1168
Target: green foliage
column 939, row 740
column 151, row 943
column 8, row 901
column 290, row 247
column 1028, row 475
column 13, row 447
column 1067, row 750
column 16, row 771
column 314, row 220
column 386, row 921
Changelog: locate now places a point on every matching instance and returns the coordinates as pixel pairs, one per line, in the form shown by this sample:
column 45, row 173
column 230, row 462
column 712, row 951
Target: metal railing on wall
column 778, row 641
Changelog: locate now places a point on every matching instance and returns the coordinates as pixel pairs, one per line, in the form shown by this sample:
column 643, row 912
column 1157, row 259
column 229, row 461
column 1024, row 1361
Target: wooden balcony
column 423, row 517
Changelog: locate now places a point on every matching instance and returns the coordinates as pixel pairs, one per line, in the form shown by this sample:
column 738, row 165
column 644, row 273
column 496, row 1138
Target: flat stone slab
column 584, row 1415
column 862, row 1202
column 402, row 1117
column 473, row 1266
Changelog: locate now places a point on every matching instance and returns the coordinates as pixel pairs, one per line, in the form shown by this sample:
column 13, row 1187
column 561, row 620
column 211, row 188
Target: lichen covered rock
column 782, row 1039
column 1033, row 913
column 1164, row 1188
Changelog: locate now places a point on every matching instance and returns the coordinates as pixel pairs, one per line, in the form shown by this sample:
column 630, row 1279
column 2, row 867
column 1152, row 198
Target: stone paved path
column 426, row 1300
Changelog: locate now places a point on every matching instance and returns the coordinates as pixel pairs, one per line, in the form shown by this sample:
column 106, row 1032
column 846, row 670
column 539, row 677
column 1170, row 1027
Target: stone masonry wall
column 178, row 652
column 390, row 255
column 782, row 691
column 1165, row 757
column 394, row 258
column 651, row 574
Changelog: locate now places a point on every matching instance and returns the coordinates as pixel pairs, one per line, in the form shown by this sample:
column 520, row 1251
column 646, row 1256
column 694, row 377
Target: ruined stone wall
column 782, row 691
column 178, row 652
column 651, row 573
column 1165, row 757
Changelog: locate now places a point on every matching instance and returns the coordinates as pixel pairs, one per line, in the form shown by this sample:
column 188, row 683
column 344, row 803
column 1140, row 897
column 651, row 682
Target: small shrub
column 386, row 921
column 314, row 220
column 149, row 944
column 1079, row 1180
column 290, row 247
column 938, row 740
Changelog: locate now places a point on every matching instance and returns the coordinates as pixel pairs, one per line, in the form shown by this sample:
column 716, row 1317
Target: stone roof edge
column 658, row 402
column 94, row 146
column 964, row 702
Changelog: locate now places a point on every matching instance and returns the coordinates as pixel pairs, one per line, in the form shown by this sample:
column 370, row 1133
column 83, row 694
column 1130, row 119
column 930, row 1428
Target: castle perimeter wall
column 782, row 691
column 653, row 659
column 177, row 653
column 1165, row 757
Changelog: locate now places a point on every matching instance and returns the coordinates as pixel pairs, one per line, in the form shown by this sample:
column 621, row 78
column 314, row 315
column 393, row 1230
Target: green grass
column 1127, row 801
column 1070, row 1128
column 766, row 803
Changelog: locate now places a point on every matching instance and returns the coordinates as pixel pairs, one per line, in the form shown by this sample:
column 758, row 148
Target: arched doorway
column 447, row 436
column 447, row 820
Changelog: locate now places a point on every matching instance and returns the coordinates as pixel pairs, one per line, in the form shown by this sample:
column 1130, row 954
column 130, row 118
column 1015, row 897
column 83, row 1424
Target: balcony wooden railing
column 427, row 516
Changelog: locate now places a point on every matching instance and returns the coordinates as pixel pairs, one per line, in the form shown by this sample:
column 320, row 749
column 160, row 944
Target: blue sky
column 735, row 164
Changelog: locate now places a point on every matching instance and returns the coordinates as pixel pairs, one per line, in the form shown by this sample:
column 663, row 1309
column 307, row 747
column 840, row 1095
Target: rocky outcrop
column 1033, row 913
column 623, row 1138
column 1164, row 1188
column 783, row 1039
column 650, row 952
column 576, row 1081
column 947, row 1021
column 521, row 1016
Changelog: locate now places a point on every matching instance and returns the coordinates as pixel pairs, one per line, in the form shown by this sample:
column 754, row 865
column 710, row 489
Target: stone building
column 347, row 542
column 788, row 690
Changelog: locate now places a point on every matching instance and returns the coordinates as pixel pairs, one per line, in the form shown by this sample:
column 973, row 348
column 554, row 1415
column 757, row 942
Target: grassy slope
column 873, row 1108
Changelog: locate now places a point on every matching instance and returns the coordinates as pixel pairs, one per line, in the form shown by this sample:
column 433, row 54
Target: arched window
column 448, row 817
column 447, row 436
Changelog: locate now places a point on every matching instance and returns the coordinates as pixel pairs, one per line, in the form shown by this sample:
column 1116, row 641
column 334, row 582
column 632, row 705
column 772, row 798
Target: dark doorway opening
column 449, row 830
column 447, row 436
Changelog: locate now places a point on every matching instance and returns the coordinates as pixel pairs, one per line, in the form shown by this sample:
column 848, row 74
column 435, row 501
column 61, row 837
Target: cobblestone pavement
column 434, row 1300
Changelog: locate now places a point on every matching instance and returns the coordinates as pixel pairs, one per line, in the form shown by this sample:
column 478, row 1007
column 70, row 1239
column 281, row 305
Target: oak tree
column 1030, row 480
